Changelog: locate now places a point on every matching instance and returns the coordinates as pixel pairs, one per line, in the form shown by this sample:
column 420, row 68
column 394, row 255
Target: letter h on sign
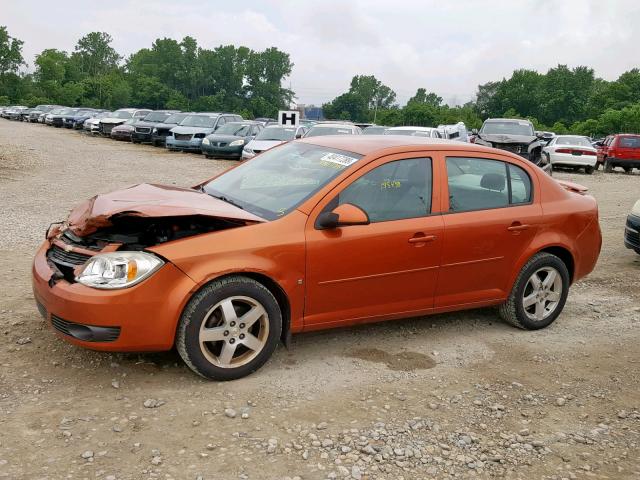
column 288, row 118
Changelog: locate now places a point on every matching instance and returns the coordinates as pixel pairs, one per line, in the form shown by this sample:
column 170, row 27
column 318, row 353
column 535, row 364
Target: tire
column 541, row 265
column 627, row 169
column 208, row 157
column 229, row 357
column 607, row 166
column 589, row 170
column 135, row 141
column 637, row 250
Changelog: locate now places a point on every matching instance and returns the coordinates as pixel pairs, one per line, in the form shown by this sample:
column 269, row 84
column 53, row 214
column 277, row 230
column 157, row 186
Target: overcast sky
column 448, row 47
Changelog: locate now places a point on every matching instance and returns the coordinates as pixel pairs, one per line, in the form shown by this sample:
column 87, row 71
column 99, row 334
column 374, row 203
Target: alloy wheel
column 234, row 331
column 542, row 293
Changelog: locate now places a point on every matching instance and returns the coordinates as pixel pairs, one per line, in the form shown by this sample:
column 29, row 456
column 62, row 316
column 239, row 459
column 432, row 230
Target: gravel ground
column 450, row 396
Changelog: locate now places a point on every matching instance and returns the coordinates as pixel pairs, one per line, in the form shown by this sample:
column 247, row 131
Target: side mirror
column 342, row 216
column 598, row 144
column 298, row 135
column 474, row 131
column 540, row 135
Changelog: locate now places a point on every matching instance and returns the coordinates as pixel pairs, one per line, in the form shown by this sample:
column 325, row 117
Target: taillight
column 563, row 150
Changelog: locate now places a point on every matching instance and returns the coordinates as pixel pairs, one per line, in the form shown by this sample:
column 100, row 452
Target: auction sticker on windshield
column 338, row 160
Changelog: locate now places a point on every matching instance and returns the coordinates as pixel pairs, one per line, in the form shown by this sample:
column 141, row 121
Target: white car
column 573, row 151
column 92, row 125
column 119, row 117
column 271, row 136
column 457, row 132
column 333, row 128
column 428, row 132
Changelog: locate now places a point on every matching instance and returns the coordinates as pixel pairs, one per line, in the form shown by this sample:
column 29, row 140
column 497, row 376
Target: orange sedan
column 317, row 233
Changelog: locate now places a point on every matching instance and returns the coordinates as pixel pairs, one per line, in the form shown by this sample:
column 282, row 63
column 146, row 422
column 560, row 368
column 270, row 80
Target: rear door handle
column 422, row 238
column 517, row 227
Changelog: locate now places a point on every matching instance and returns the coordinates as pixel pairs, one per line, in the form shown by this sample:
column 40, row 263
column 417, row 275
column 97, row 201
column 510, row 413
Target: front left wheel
column 539, row 293
column 229, row 329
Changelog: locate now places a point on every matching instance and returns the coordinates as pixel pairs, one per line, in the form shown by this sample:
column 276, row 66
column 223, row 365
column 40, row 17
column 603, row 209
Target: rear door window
column 482, row 184
column 629, row 142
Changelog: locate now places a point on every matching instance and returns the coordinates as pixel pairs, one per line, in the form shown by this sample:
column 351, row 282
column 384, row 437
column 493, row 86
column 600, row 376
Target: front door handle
column 422, row 238
column 517, row 227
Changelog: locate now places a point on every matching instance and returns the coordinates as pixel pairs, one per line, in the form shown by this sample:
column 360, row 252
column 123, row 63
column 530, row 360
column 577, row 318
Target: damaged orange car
column 317, row 233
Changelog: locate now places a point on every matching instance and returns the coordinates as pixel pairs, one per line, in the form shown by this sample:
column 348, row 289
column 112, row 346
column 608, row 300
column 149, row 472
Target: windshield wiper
column 227, row 200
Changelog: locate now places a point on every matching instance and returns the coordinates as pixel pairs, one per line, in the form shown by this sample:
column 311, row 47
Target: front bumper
column 573, row 160
column 120, row 135
column 142, row 137
column 246, row 155
column 194, row 144
column 632, row 233
column 223, row 152
column 141, row 318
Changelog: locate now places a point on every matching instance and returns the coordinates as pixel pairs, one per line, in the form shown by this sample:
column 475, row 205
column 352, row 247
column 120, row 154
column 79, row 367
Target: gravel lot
column 450, row 396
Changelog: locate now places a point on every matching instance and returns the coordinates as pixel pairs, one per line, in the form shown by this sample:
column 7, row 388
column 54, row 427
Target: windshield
column 68, row 111
column 581, row 141
column 156, row 117
column 175, row 118
column 507, row 128
column 201, row 121
column 318, row 131
column 121, row 114
column 281, row 134
column 278, row 180
column 407, row 132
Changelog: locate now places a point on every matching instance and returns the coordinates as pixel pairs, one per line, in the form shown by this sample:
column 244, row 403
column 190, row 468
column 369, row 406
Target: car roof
column 365, row 144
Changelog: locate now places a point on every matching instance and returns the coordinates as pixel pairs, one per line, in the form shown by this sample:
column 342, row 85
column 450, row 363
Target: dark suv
column 621, row 150
column 514, row 135
column 143, row 130
column 160, row 131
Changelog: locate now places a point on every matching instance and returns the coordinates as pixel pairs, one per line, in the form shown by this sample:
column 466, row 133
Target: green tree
column 348, row 106
column 424, row 98
column 95, row 55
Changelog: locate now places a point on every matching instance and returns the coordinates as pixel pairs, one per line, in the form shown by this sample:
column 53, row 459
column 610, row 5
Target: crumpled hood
column 191, row 130
column 501, row 138
column 148, row 200
column 263, row 145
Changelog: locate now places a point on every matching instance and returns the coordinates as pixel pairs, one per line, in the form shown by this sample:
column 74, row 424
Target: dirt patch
column 403, row 361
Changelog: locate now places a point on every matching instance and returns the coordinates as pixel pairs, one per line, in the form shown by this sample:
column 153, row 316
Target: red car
column 323, row 232
column 620, row 150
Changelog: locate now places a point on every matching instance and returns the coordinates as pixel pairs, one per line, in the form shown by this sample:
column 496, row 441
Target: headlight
column 205, row 141
column 236, row 143
column 118, row 269
column 155, row 130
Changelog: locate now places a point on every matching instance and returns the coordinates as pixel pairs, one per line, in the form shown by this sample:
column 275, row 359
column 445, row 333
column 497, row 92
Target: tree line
column 170, row 74
column 181, row 75
column 562, row 100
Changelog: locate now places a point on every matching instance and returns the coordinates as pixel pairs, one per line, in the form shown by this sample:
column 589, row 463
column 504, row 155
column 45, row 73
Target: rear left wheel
column 229, row 329
column 539, row 293
column 589, row 170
